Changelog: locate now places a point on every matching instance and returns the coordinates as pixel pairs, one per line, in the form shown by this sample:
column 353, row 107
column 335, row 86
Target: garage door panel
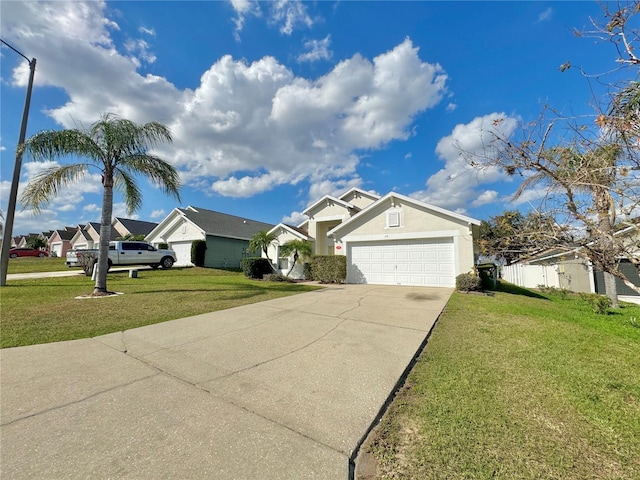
column 426, row 262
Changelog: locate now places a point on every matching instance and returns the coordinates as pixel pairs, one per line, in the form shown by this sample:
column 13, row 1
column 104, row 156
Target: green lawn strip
column 513, row 386
column 35, row 264
column 45, row 310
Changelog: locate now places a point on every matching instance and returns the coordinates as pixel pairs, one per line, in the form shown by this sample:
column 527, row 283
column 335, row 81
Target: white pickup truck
column 128, row 253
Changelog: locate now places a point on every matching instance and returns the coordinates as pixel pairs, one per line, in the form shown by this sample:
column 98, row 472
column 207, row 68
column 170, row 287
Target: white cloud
column 316, row 50
column 451, row 107
column 295, row 219
column 545, row 15
column 91, row 207
column 158, row 213
column 148, row 31
column 290, row 14
column 455, row 185
column 247, row 127
column 244, row 8
column 529, row 196
column 488, row 196
column 120, row 210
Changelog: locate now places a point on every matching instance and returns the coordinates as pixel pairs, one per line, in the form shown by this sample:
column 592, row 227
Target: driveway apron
column 283, row 389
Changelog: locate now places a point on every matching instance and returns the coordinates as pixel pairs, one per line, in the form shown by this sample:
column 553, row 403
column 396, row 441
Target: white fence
column 530, row 276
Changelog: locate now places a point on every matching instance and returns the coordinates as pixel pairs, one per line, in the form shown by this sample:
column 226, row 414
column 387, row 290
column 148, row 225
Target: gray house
column 227, row 236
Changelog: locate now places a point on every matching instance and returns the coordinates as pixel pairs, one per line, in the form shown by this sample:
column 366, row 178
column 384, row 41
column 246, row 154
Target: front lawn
column 518, row 386
column 45, row 310
column 36, row 264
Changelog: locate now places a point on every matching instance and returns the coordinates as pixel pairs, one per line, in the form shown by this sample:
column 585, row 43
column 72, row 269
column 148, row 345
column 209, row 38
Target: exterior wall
column 575, row 276
column 180, row 231
column 284, row 236
column 631, row 273
column 329, row 208
column 325, row 245
column 358, row 199
column 225, row 252
column 414, row 223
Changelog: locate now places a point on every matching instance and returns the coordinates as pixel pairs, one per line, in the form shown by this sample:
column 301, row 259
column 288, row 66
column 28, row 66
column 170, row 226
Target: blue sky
column 274, row 104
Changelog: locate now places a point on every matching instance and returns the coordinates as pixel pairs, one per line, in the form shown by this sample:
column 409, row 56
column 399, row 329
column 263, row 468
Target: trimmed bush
column 329, row 268
column 599, row 303
column 468, row 282
column 198, row 249
column 307, row 272
column 163, row 246
column 277, row 277
column 86, row 261
column 256, row 267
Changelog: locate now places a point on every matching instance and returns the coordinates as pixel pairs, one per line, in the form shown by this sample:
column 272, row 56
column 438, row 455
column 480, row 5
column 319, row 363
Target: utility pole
column 13, row 194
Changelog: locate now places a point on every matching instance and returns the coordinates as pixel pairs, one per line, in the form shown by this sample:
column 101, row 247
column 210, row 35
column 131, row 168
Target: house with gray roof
column 129, row 226
column 227, row 236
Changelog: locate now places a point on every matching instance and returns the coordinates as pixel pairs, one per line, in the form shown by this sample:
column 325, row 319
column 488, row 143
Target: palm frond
column 127, row 185
column 51, row 144
column 47, row 184
column 158, row 171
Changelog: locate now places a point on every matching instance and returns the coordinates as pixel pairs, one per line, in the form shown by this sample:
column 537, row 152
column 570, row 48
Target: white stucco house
column 388, row 240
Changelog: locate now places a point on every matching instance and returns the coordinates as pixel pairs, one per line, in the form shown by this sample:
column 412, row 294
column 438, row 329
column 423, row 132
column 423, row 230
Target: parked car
column 128, row 253
column 27, row 252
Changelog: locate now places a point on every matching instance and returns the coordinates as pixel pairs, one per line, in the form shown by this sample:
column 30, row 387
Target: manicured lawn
column 35, row 264
column 45, row 310
column 514, row 386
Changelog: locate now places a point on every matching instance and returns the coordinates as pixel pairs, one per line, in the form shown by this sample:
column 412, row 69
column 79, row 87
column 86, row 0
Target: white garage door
column 183, row 253
column 56, row 249
column 403, row 262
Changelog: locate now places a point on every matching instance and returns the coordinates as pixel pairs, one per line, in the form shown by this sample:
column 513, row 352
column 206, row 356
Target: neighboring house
column 60, row 242
column 89, row 236
column 389, row 240
column 128, row 226
column 227, row 236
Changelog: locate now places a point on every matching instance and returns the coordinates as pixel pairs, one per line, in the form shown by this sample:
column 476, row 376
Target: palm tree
column 261, row 242
column 118, row 148
column 299, row 248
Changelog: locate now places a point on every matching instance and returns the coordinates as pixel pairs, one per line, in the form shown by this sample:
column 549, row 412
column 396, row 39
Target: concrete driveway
column 284, row 389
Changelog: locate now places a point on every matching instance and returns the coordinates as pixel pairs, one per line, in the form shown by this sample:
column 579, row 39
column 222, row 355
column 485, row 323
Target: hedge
column 198, row 249
column 329, row 268
column 256, row 267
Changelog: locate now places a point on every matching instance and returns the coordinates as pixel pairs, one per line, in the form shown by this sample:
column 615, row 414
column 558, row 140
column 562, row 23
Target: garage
column 55, row 249
column 420, row 262
column 183, row 253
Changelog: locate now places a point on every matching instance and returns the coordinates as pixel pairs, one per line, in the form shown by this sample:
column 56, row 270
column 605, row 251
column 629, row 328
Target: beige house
column 389, row 240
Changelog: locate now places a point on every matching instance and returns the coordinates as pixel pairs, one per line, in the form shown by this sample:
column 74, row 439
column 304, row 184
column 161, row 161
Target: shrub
column 307, row 272
column 468, row 282
column 198, row 249
column 256, row 267
column 163, row 246
column 599, row 303
column 329, row 268
column 277, row 277
column 87, row 260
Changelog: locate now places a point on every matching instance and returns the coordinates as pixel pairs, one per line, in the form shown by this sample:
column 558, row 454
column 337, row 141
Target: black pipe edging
column 392, row 395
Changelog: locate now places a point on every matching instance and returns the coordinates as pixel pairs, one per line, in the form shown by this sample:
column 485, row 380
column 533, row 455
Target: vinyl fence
column 531, row 276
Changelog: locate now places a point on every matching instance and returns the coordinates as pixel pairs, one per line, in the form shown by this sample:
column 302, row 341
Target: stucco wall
column 414, row 223
column 225, row 252
column 358, row 200
column 181, row 231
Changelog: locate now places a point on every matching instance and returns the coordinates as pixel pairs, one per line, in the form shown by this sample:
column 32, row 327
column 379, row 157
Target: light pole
column 13, row 194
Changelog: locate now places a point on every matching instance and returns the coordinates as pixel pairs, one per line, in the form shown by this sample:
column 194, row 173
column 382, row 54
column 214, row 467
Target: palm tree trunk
column 105, row 234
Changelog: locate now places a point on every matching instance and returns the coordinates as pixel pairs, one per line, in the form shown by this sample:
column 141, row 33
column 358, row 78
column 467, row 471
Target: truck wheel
column 167, row 262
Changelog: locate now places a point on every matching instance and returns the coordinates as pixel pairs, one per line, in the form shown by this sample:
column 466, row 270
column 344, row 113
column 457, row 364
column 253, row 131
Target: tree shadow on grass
column 510, row 288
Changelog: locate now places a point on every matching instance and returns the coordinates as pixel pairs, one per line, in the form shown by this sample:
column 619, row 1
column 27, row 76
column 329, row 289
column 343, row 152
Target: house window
column 393, row 219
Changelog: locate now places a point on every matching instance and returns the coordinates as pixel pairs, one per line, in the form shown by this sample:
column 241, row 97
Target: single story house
column 128, row 226
column 388, row 240
column 60, row 241
column 227, row 236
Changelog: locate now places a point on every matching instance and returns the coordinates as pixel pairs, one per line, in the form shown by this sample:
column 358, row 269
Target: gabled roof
column 64, row 234
column 96, row 226
column 364, row 193
column 298, row 232
column 222, row 224
column 327, row 198
column 404, row 199
column 136, row 227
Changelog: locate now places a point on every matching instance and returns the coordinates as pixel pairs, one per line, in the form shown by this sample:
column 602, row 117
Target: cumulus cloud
column 456, row 185
column 451, row 107
column 316, row 50
column 247, row 127
column 158, row 213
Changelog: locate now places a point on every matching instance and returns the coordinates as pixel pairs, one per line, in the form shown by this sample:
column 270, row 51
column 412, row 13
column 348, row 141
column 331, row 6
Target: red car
column 27, row 252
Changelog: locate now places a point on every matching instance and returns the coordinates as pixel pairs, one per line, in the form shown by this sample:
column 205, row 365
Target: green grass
column 35, row 264
column 45, row 310
column 519, row 385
